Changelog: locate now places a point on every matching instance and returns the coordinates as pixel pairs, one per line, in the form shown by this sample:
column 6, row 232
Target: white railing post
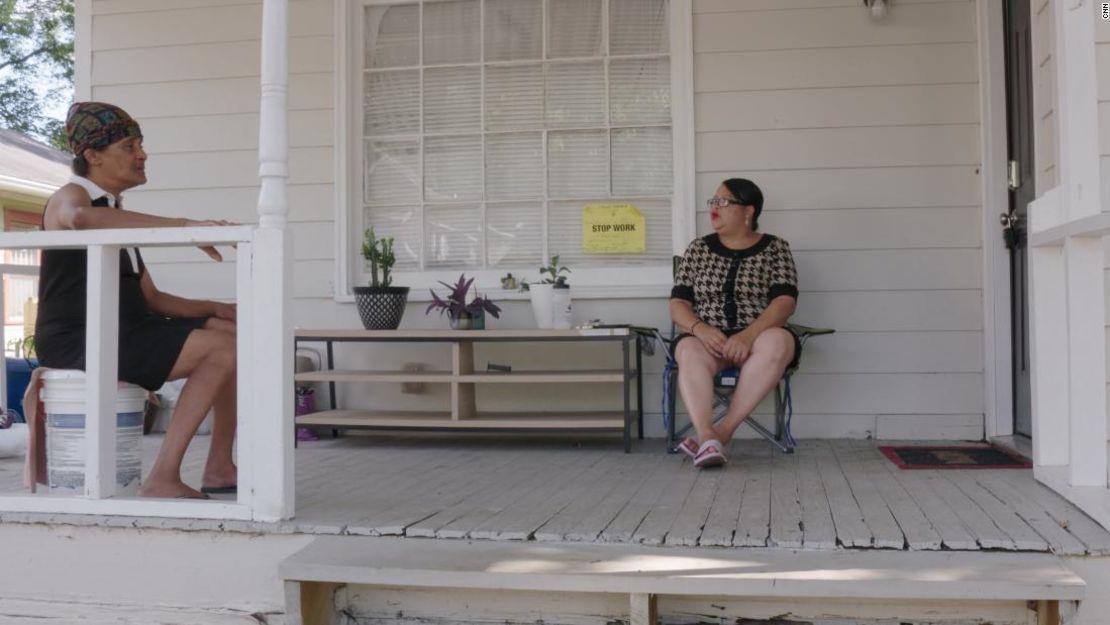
column 271, row 423
column 101, row 370
column 246, row 445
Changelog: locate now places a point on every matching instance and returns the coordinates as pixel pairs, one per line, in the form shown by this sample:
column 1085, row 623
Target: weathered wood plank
column 622, row 526
column 919, row 532
column 754, row 525
column 851, row 529
column 390, row 492
column 947, row 524
column 1059, row 540
column 876, row 514
column 341, row 460
column 675, row 492
column 690, row 521
column 502, row 494
column 984, row 530
column 605, row 493
column 425, row 500
column 601, row 517
column 818, row 530
column 532, row 509
column 664, row 492
column 1024, row 537
column 490, row 487
column 611, row 483
column 786, row 510
column 1074, row 520
column 724, row 511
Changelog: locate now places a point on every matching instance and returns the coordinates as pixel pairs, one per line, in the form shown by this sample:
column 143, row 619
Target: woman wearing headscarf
column 734, row 291
column 161, row 336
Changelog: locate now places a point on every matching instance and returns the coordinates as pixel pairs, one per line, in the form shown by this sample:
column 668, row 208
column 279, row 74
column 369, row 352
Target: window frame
column 589, row 283
column 33, row 222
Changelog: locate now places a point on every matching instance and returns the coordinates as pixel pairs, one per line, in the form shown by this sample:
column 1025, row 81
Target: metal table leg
column 331, row 386
column 639, row 388
column 627, row 397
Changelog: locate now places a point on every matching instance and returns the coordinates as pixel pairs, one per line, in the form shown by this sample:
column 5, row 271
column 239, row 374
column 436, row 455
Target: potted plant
column 461, row 312
column 380, row 305
column 551, row 296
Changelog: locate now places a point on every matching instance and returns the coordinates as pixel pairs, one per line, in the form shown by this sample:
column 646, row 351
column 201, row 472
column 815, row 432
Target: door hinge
column 1013, row 175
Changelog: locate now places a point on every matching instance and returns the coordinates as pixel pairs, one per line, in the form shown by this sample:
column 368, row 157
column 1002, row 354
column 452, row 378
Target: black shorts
column 148, row 348
column 793, row 362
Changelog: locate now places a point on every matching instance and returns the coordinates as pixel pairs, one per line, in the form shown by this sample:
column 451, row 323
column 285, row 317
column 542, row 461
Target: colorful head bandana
column 97, row 125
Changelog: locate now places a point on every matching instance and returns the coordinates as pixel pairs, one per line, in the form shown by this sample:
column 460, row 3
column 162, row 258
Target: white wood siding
column 1102, row 66
column 865, row 139
column 1044, row 94
column 863, row 135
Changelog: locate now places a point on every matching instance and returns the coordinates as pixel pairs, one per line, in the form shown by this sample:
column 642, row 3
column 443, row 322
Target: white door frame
column 997, row 317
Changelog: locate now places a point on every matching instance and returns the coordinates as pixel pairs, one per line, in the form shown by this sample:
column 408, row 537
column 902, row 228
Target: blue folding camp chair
column 723, row 387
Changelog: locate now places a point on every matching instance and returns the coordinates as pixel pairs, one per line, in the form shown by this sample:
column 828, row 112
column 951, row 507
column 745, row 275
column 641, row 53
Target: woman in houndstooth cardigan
column 734, row 291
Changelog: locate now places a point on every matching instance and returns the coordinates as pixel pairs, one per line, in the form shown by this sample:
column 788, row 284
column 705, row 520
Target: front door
column 1019, row 115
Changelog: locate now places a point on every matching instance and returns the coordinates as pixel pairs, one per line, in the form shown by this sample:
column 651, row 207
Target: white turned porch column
column 268, row 359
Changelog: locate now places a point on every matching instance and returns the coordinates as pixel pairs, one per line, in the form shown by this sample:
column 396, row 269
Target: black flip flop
column 202, row 496
column 220, row 490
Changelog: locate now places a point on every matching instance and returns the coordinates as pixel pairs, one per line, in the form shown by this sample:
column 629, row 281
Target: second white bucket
column 63, row 397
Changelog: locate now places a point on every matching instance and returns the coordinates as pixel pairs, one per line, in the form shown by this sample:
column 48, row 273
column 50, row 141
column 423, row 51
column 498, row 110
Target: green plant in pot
column 460, row 308
column 380, row 305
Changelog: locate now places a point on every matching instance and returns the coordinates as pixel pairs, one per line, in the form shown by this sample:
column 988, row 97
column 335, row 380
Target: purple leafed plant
column 455, row 304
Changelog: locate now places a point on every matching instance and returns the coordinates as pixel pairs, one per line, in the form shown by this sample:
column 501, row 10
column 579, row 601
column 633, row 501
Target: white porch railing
column 264, row 443
column 265, row 334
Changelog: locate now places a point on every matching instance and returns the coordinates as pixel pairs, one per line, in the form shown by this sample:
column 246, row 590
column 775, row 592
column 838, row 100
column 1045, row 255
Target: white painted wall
column 863, row 135
column 73, row 574
column 1044, row 94
column 864, row 138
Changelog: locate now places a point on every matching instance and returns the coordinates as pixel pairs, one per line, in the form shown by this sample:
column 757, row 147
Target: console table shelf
column 464, row 380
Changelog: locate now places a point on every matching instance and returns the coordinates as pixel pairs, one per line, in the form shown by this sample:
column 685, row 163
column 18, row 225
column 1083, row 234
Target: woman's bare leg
column 771, row 352
column 208, row 361
column 220, row 469
column 696, row 370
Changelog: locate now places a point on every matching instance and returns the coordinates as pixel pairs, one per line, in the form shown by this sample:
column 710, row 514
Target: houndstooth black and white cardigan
column 729, row 288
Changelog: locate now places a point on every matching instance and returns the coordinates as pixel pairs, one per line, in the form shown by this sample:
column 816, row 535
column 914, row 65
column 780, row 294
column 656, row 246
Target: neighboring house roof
column 28, row 166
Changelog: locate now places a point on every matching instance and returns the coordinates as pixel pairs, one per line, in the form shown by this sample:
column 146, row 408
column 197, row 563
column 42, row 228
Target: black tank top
column 63, row 288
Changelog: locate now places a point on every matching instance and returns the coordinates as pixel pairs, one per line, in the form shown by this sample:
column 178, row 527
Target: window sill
column 588, row 292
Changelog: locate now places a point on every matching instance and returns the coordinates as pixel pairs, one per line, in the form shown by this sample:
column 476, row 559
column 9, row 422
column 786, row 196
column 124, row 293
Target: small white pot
column 541, row 295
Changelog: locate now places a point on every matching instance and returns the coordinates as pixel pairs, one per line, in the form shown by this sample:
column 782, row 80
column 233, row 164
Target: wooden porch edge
column 645, row 571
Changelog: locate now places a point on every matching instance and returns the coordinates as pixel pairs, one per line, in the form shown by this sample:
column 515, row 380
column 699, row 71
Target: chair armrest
column 807, row 331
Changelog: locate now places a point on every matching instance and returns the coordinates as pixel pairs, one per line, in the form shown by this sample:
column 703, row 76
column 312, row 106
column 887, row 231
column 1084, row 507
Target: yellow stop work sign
column 613, row 229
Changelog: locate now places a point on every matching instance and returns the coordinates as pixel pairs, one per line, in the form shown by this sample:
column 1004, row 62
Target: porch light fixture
column 877, row 8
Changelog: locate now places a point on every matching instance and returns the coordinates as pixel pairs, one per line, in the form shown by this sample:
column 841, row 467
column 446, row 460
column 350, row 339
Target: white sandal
column 710, row 454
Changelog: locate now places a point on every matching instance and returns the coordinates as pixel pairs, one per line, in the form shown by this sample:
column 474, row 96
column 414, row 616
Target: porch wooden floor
column 828, row 495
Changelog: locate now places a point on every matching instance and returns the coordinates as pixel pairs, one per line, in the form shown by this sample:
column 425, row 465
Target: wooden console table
column 464, row 380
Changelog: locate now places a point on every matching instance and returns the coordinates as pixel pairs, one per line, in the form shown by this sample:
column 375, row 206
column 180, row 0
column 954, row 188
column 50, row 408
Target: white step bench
column 644, row 573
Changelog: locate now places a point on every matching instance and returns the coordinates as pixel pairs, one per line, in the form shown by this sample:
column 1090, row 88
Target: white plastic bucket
column 63, row 397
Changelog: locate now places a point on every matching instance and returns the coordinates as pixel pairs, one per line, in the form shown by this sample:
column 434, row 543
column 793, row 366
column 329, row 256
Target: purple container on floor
column 306, row 404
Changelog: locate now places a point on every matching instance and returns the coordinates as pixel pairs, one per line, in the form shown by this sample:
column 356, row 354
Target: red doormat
column 953, row 457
